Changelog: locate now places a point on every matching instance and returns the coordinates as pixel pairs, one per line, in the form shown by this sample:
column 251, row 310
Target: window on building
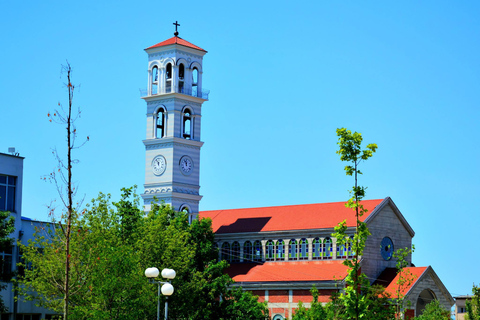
column 168, row 72
column 292, row 249
column 350, row 253
column 225, row 252
column 257, row 251
column 195, row 76
column 327, row 250
column 160, row 123
column 280, row 250
column 195, row 82
column 341, row 251
column 181, row 76
column 6, row 259
column 270, row 254
column 168, row 78
column 155, row 80
column 187, row 124
column 181, row 71
column 247, row 252
column 303, row 249
column 7, row 193
column 317, row 249
column 235, row 252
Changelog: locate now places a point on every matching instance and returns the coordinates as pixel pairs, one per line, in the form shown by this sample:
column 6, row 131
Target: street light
column 166, row 289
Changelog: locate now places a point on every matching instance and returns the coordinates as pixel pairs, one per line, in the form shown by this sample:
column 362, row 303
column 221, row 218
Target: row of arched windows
column 160, row 125
column 275, row 250
column 168, row 77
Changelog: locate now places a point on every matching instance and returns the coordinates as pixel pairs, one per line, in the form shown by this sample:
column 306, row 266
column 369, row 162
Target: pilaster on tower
column 174, row 98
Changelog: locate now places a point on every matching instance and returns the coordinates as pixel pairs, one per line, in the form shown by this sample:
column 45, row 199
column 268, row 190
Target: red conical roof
column 176, row 40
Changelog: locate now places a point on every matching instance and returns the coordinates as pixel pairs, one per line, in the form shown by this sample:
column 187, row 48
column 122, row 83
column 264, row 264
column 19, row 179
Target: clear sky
column 283, row 76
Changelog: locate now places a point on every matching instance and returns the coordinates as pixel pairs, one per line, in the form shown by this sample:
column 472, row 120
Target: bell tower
column 174, row 98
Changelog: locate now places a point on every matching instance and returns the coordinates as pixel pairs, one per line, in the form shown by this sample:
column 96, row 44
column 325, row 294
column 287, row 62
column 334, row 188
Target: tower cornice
column 172, row 141
column 173, row 95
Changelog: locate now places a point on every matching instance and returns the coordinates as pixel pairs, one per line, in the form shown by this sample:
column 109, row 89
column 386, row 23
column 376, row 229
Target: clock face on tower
column 386, row 248
column 159, row 164
column 186, row 165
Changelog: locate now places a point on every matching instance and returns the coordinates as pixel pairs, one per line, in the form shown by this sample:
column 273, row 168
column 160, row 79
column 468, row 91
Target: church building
column 278, row 253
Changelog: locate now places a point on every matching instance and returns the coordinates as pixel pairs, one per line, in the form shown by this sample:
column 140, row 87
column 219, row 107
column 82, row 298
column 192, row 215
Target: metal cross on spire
column 176, row 24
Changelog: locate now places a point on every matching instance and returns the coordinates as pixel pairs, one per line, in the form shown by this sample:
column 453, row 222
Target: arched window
column 257, row 251
column 424, row 298
column 187, row 124
column 181, row 76
column 317, row 249
column 303, row 249
column 280, row 250
column 186, row 211
column 168, row 78
column 155, row 80
column 168, row 73
column 341, row 251
column 292, row 249
column 350, row 253
column 155, row 74
column 270, row 252
column 160, row 123
column 327, row 250
column 181, row 71
column 195, row 82
column 247, row 252
column 225, row 252
column 235, row 252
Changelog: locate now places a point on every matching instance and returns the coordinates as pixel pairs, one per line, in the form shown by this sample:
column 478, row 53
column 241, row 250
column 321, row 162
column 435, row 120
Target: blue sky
column 283, row 76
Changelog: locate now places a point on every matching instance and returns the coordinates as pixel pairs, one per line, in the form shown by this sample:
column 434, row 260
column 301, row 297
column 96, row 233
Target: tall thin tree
column 350, row 151
column 62, row 176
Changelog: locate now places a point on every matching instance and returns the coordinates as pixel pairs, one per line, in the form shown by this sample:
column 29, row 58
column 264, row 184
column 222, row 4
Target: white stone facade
column 173, row 129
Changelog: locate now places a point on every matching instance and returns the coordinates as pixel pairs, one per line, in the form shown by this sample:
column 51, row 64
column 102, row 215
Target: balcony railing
column 194, row 93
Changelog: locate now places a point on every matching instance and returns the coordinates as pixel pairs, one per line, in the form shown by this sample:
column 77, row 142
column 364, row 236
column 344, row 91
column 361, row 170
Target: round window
column 386, row 248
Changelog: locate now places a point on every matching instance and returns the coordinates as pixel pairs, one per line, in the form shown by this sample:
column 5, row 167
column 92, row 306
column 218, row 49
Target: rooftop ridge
column 176, row 40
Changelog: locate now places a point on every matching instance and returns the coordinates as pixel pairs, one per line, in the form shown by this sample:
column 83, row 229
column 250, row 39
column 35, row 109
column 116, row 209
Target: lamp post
column 164, row 287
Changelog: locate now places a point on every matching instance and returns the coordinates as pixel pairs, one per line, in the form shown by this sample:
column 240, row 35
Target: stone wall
column 385, row 224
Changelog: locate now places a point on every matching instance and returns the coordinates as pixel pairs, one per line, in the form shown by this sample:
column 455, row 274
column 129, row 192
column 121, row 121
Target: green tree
column 380, row 305
column 473, row 305
column 356, row 283
column 315, row 312
column 405, row 277
column 434, row 311
column 7, row 227
column 113, row 243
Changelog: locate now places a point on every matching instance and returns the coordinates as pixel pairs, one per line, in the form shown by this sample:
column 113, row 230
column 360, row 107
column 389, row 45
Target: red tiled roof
column 296, row 217
column 413, row 273
column 176, row 40
column 323, row 270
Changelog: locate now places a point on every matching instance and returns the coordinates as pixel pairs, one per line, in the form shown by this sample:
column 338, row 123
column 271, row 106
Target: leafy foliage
column 473, row 305
column 405, row 277
column 356, row 283
column 111, row 246
column 434, row 311
column 316, row 310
